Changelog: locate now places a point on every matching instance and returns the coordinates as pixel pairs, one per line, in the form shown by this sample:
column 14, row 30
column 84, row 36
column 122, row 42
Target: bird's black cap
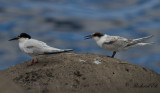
column 96, row 34
column 22, row 35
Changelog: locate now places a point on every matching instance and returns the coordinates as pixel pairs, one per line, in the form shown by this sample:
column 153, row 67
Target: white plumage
column 36, row 48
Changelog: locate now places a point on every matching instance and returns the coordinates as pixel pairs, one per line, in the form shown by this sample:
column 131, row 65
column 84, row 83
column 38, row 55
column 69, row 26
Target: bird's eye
column 93, row 34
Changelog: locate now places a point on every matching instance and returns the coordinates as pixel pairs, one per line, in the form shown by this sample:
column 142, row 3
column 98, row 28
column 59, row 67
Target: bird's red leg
column 36, row 61
column 32, row 61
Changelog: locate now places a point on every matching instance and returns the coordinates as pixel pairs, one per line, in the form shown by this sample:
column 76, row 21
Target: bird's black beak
column 16, row 38
column 88, row 37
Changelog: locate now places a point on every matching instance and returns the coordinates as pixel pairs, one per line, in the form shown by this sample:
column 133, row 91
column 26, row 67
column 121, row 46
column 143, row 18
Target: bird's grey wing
column 116, row 41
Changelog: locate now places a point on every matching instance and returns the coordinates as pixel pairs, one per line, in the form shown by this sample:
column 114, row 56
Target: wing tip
column 67, row 50
column 151, row 36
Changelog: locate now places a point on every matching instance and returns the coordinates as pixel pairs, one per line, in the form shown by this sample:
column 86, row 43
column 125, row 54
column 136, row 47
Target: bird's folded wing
column 33, row 49
column 109, row 42
column 35, row 46
column 116, row 41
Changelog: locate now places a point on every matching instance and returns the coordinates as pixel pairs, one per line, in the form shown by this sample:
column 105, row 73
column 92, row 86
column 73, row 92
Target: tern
column 116, row 43
column 36, row 48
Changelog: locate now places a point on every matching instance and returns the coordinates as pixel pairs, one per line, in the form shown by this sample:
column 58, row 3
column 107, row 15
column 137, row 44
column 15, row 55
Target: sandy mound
column 79, row 73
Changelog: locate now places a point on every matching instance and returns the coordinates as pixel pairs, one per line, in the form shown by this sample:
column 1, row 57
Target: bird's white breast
column 22, row 42
column 101, row 40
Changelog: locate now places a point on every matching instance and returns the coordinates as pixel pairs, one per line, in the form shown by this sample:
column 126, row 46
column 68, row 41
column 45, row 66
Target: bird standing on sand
column 35, row 48
column 117, row 43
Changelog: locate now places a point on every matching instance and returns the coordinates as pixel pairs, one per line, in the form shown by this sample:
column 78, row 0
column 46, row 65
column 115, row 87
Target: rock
column 79, row 73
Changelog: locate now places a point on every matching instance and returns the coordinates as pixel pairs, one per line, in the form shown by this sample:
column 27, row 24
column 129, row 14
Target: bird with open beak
column 116, row 43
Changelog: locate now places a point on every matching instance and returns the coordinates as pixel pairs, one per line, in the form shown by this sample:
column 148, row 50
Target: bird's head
column 21, row 36
column 96, row 36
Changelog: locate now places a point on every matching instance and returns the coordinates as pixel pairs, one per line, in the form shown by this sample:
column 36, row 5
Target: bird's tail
column 139, row 40
column 67, row 50
column 144, row 44
column 59, row 51
column 141, row 44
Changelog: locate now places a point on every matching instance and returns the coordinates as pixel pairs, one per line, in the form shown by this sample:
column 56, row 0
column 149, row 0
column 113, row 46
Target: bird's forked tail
column 67, row 50
column 139, row 40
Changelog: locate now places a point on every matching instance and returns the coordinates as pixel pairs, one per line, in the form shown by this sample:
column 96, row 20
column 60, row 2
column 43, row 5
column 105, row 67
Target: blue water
column 63, row 24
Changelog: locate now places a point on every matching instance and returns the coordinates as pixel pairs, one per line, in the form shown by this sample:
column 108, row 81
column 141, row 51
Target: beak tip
column 13, row 39
column 88, row 37
column 85, row 38
column 9, row 40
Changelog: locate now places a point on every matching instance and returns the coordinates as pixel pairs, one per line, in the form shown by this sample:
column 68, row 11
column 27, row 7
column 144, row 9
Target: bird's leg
column 114, row 53
column 36, row 60
column 32, row 61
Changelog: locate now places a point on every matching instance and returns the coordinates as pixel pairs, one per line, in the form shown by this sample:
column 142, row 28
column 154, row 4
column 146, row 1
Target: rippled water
column 63, row 24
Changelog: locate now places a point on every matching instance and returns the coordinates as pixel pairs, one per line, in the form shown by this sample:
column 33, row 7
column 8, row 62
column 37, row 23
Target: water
column 63, row 24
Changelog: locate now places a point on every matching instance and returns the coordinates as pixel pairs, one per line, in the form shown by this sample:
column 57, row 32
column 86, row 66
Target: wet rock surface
column 79, row 73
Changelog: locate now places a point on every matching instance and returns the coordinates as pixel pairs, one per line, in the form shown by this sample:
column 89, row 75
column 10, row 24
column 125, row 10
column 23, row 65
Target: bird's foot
column 110, row 56
column 33, row 62
column 30, row 64
column 36, row 61
column 125, row 63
